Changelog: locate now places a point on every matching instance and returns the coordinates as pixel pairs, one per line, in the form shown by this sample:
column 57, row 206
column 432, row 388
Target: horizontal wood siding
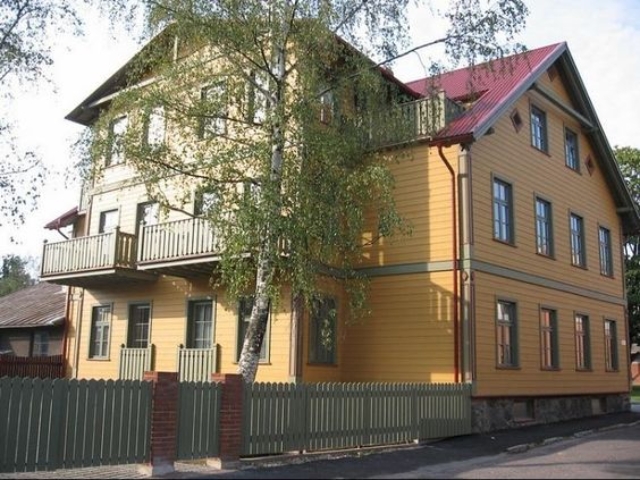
column 423, row 197
column 510, row 156
column 409, row 335
column 529, row 378
column 168, row 298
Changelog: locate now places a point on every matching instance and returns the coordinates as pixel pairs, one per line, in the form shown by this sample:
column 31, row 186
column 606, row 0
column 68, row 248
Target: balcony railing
column 197, row 364
column 177, row 240
column 115, row 249
column 413, row 120
column 134, row 362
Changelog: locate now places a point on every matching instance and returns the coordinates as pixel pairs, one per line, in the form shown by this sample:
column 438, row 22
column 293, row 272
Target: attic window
column 516, row 120
column 552, row 72
column 591, row 166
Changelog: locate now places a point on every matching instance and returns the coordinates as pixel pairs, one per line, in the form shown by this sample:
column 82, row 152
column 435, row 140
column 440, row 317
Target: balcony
column 419, row 119
column 197, row 364
column 182, row 248
column 93, row 261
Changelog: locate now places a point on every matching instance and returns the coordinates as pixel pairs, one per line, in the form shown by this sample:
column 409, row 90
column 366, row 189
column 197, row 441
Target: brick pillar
column 230, row 440
column 164, row 423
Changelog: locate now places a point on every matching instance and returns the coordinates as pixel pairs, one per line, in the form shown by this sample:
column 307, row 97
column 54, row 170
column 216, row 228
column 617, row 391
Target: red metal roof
column 41, row 305
column 497, row 83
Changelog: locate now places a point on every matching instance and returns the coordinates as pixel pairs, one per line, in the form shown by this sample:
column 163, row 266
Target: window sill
column 605, row 275
column 584, row 369
column 581, row 267
column 505, row 242
column 543, row 255
column 318, row 364
column 609, row 370
column 544, row 152
column 550, row 369
column 98, row 359
column 574, row 170
column 507, row 367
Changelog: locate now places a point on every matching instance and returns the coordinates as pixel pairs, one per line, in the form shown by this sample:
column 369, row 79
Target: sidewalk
column 360, row 463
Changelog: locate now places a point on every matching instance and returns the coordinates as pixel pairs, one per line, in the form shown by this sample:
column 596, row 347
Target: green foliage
column 629, row 161
column 14, row 274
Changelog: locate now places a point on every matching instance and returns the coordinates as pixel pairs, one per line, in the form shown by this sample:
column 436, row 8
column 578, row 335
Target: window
column 610, row 345
column 155, row 127
column 549, row 339
column 100, row 327
column 583, row 342
column 200, row 324
column 108, row 221
column 502, row 211
column 148, row 214
column 244, row 317
column 258, row 100
column 539, row 129
column 506, row 334
column 571, row 149
column 544, row 243
column 40, row 346
column 206, row 201
column 117, row 131
column 214, row 120
column 322, row 341
column 327, row 106
column 604, row 240
column 578, row 257
column 139, row 323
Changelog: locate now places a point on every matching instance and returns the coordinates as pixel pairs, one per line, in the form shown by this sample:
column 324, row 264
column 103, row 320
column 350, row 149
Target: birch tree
column 271, row 108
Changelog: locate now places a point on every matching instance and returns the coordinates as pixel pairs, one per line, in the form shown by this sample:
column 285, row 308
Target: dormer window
column 117, row 131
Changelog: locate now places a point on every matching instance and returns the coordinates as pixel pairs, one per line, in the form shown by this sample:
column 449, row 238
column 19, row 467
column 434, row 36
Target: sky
column 603, row 38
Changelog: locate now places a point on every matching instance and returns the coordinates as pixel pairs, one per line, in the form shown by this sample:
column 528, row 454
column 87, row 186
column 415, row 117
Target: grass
column 635, row 394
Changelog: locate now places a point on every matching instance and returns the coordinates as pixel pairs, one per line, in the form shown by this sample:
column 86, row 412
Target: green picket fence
column 62, row 423
column 279, row 417
column 198, row 420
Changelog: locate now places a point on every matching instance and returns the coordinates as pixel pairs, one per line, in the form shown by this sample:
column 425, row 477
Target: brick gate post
column 230, row 444
column 164, row 423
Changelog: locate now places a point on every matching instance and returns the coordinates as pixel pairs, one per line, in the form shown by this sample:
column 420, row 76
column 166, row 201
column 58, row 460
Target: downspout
column 456, row 319
column 76, row 359
column 65, row 332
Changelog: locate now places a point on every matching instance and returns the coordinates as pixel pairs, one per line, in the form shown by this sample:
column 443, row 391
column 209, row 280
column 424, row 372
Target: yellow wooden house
column 512, row 279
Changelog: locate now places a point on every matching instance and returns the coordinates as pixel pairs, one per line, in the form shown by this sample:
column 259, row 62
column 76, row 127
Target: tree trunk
column 250, row 356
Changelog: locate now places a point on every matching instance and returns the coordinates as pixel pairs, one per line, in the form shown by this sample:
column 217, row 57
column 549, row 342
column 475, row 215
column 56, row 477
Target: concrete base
column 222, row 463
column 150, row 470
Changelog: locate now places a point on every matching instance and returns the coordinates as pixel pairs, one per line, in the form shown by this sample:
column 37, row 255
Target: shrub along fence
column 61, row 423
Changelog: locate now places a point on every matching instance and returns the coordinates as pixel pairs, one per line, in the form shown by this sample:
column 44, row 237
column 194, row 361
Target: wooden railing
column 197, row 364
column 412, row 120
column 107, row 250
column 177, row 239
column 40, row 366
column 134, row 362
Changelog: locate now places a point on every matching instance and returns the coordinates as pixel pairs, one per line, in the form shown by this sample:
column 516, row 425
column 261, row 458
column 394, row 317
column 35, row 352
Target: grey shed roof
column 41, row 305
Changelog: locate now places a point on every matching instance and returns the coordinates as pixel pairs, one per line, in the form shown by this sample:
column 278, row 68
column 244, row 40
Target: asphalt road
column 608, row 454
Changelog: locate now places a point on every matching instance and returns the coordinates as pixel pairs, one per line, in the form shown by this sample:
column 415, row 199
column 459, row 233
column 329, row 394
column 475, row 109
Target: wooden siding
column 510, row 156
column 423, row 197
column 409, row 336
column 168, row 298
column 529, row 378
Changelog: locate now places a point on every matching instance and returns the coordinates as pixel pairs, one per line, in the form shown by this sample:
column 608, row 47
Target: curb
column 584, row 433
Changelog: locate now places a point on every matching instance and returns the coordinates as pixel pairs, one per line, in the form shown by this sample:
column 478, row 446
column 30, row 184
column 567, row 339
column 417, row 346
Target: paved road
column 608, row 454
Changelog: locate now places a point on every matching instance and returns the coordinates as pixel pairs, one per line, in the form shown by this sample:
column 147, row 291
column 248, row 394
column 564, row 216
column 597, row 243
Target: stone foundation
column 491, row 414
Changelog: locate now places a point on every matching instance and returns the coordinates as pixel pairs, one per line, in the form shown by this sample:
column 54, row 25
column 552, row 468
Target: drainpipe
column 79, row 309
column 456, row 319
column 65, row 332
